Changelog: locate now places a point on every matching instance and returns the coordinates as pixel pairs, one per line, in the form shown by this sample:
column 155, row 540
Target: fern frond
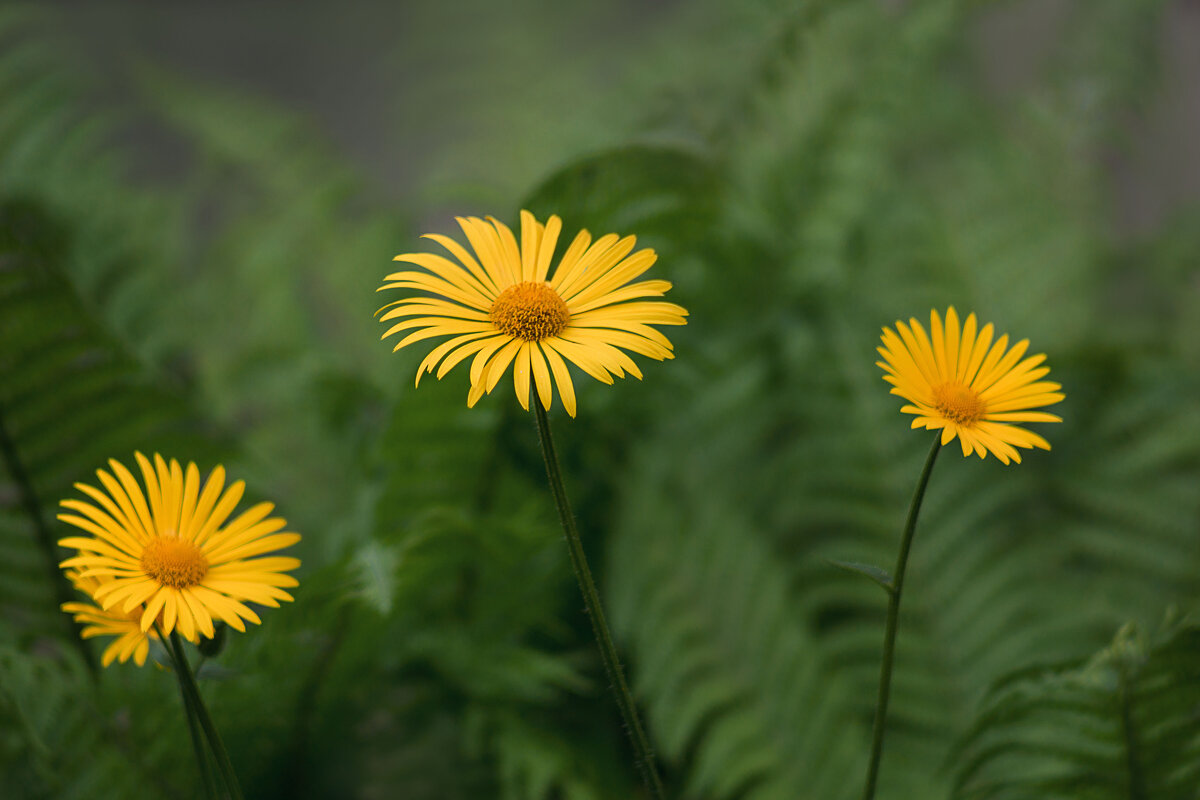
column 59, row 738
column 537, row 759
column 734, row 685
column 71, row 398
column 1121, row 724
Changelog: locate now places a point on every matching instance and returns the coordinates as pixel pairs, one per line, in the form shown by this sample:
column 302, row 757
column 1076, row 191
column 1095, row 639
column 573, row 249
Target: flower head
column 167, row 554
column 131, row 642
column 498, row 306
column 958, row 380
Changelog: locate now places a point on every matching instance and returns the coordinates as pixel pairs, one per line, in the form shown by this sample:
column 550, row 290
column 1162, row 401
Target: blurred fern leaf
column 71, row 398
column 1121, row 725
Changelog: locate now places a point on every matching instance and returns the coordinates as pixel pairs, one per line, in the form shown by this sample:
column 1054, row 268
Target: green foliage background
column 808, row 172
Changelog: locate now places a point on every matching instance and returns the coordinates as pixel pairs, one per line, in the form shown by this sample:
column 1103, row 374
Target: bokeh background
column 198, row 201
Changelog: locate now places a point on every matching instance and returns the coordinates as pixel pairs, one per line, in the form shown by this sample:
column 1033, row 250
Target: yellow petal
column 521, row 375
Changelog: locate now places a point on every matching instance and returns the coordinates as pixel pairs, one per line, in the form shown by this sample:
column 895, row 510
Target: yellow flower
column 131, row 640
column 961, row 382
column 175, row 558
column 499, row 306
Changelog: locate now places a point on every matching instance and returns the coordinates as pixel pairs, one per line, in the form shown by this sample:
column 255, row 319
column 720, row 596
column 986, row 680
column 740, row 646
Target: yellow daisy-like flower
column 959, row 381
column 499, row 307
column 131, row 642
column 169, row 552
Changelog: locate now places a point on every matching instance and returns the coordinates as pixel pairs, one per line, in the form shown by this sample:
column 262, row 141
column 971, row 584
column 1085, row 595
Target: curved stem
column 188, row 681
column 893, row 619
column 202, row 762
column 612, row 666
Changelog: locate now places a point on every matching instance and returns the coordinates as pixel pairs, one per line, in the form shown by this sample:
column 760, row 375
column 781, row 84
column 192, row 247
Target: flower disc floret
column 958, row 403
column 174, row 562
column 530, row 311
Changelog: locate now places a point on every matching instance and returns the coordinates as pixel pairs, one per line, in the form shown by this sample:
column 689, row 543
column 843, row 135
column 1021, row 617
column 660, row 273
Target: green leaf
column 374, row 569
column 878, row 574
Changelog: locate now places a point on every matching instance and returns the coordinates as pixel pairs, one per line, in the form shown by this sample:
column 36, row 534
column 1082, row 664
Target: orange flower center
column 530, row 311
column 174, row 562
column 959, row 403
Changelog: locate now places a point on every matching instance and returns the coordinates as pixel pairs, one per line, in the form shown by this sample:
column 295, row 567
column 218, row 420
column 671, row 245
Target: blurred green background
column 198, row 201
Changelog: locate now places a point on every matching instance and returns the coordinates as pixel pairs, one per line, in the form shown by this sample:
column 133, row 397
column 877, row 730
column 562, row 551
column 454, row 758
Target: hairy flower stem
column 202, row 761
column 196, row 705
column 612, row 666
column 893, row 619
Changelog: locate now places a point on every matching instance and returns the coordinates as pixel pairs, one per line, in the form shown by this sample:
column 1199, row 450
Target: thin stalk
column 202, row 762
column 188, row 680
column 893, row 619
column 644, row 756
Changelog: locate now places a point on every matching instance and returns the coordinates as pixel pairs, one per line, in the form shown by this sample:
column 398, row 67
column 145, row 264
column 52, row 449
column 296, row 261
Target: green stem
column 188, row 681
column 210, row 785
column 202, row 762
column 893, row 619
column 644, row 756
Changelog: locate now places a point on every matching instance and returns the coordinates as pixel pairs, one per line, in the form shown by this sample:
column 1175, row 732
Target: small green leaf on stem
column 878, row 574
